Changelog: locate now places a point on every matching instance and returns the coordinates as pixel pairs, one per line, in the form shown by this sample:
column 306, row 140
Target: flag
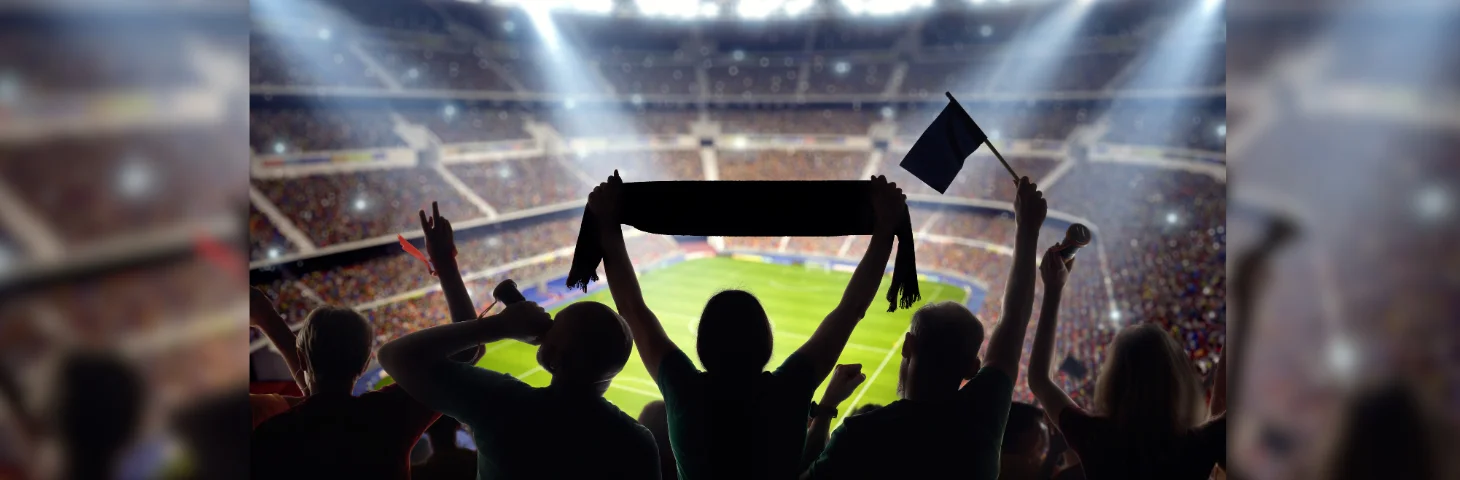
column 1073, row 368
column 938, row 154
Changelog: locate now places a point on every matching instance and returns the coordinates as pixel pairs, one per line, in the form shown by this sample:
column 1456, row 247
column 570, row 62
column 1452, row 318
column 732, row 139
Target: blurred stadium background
column 363, row 112
column 122, row 137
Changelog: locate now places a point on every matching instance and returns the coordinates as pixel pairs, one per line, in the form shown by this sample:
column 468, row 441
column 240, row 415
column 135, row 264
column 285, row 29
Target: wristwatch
column 822, row 410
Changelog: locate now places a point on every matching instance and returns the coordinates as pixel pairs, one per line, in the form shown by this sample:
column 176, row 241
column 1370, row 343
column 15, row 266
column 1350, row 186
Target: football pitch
column 796, row 299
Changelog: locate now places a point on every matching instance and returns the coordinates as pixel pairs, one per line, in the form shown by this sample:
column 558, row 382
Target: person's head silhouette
column 334, row 349
column 1148, row 385
column 588, row 344
column 939, row 351
column 1026, row 437
column 98, row 406
column 734, row 334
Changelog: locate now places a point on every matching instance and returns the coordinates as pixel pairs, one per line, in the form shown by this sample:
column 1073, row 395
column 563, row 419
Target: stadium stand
column 511, row 185
column 296, row 130
column 821, row 122
column 793, row 165
column 338, row 208
column 453, row 124
column 306, row 61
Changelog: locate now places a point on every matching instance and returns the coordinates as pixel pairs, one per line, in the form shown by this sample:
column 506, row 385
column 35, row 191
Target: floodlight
column 1222, row 130
column 843, row 67
column 279, row 147
column 325, row 34
column 273, row 252
column 1171, row 218
column 360, row 204
column 450, row 110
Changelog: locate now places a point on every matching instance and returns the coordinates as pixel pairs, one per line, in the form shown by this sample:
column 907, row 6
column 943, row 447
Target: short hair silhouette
column 99, row 400
column 1024, row 432
column 868, row 408
column 588, row 343
column 734, row 334
column 1148, row 385
column 334, row 346
column 946, row 338
column 1384, row 432
column 655, row 417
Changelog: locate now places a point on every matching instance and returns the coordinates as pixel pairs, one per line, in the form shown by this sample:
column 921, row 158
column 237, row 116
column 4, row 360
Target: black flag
column 1073, row 368
column 939, row 153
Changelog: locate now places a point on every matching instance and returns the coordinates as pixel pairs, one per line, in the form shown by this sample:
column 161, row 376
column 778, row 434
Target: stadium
column 508, row 113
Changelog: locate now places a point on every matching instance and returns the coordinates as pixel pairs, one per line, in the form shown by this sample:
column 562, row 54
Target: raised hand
column 606, row 200
column 844, row 380
column 260, row 306
column 1030, row 207
column 888, row 204
column 1054, row 271
column 526, row 322
column 440, row 242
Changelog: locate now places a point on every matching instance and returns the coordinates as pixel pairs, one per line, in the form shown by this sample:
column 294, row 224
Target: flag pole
column 985, row 140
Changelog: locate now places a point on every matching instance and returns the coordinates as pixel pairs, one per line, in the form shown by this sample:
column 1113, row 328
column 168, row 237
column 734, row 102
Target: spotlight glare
column 1222, row 130
column 883, row 7
column 273, row 252
column 450, row 110
column 1115, row 314
column 740, row 143
column 843, row 67
column 413, row 73
column 1171, row 218
column 279, row 147
column 508, row 26
column 570, row 104
column 325, row 34
column 360, row 204
column 985, row 31
column 1433, row 203
column 135, row 179
column 887, row 112
column 738, row 55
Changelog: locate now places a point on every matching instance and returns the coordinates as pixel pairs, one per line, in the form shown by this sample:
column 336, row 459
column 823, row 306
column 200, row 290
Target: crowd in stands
column 41, row 60
column 518, row 184
column 440, row 69
column 1181, row 126
column 296, row 130
column 646, row 78
column 306, row 61
column 460, row 124
column 746, row 81
column 931, row 79
column 586, row 123
column 264, row 240
column 343, row 207
column 644, row 166
column 832, row 77
column 1166, row 245
column 131, row 183
column 813, row 121
column 791, row 165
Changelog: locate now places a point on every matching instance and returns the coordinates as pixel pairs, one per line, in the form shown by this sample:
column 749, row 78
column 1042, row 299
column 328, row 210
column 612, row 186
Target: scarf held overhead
column 750, row 209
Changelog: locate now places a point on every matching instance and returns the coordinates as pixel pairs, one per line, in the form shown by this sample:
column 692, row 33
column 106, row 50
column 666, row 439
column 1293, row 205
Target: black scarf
column 750, row 209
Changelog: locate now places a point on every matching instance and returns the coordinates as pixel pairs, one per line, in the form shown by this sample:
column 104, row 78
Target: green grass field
column 796, row 298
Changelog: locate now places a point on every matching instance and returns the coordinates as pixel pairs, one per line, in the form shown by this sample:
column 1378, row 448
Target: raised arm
column 1007, row 342
column 623, row 284
column 826, row 344
column 421, row 362
column 441, row 245
column 261, row 314
column 844, row 381
column 1248, row 278
column 1054, row 271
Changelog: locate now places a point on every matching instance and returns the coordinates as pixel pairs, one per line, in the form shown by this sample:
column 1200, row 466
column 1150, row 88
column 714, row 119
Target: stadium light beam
column 1032, row 60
